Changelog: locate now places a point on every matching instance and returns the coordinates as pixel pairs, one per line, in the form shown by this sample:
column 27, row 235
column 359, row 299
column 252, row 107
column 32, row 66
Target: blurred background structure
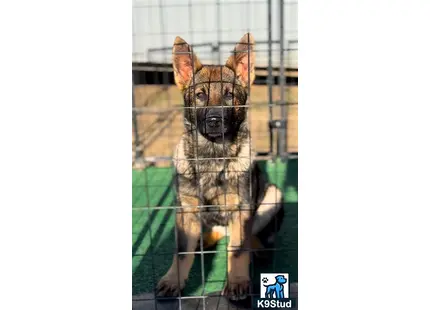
column 212, row 27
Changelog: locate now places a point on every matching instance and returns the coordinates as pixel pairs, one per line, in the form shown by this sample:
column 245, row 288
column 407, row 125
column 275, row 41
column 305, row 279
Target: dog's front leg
column 238, row 281
column 188, row 233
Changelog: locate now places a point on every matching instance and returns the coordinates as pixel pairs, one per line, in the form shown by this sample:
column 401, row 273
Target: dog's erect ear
column 243, row 59
column 183, row 67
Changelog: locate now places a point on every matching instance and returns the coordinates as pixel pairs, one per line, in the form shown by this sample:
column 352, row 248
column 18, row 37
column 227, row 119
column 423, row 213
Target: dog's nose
column 214, row 121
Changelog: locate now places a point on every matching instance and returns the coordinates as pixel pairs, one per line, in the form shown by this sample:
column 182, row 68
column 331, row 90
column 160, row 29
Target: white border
column 65, row 120
column 65, row 155
column 364, row 159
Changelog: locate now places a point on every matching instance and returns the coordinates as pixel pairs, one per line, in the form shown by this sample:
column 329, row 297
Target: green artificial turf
column 154, row 235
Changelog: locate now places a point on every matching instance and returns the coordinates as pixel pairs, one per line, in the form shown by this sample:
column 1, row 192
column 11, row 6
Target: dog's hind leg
column 267, row 209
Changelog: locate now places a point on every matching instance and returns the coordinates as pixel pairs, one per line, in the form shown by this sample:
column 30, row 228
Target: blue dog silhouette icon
column 276, row 288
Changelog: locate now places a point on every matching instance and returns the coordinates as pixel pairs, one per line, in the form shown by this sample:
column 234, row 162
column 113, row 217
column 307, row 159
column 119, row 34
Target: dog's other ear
column 243, row 59
column 185, row 63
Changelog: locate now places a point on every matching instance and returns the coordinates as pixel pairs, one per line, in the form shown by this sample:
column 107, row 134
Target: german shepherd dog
column 218, row 183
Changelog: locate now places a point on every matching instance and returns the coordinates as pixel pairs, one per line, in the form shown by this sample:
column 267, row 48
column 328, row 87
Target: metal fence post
column 137, row 147
column 282, row 132
column 270, row 74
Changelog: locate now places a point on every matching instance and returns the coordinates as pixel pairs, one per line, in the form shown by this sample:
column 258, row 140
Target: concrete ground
column 212, row 302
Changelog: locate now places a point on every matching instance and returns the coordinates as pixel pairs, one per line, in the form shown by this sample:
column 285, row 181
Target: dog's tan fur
column 217, row 184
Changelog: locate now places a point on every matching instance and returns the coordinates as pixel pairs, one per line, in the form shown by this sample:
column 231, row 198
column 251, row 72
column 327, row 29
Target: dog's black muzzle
column 215, row 122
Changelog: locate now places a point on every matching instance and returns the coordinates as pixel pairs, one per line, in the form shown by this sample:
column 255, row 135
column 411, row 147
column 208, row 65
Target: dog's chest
column 212, row 174
column 216, row 178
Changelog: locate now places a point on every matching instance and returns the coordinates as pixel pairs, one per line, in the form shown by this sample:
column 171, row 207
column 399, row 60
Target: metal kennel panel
column 212, row 28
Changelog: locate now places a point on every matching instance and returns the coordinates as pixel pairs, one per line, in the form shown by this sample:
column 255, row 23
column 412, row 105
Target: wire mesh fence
column 214, row 152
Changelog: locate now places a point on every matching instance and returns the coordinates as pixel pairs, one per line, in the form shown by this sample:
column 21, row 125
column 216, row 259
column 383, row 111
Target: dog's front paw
column 237, row 288
column 170, row 286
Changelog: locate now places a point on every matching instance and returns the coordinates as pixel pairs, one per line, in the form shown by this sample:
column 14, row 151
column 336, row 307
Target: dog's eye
column 201, row 96
column 228, row 96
